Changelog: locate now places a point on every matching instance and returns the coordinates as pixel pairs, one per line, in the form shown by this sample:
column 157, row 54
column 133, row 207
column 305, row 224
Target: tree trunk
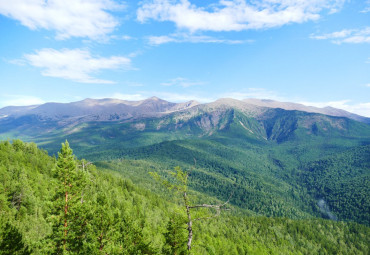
column 101, row 241
column 190, row 222
column 65, row 220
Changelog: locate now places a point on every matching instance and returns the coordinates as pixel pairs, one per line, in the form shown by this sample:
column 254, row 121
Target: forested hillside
column 64, row 205
column 284, row 180
column 343, row 181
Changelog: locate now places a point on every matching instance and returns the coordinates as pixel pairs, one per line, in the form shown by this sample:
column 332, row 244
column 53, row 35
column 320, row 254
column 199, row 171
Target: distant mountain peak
column 227, row 101
column 91, row 109
column 154, row 98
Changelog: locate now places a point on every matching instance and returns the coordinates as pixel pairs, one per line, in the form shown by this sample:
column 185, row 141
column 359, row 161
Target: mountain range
column 280, row 159
column 109, row 123
column 109, row 109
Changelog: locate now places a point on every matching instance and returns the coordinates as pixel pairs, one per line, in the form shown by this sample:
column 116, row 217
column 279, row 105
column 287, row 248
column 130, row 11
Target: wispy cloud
column 189, row 38
column 182, row 82
column 178, row 97
column 235, row 15
column 74, row 64
column 346, row 36
column 129, row 97
column 347, row 105
column 69, row 18
column 259, row 93
column 122, row 37
column 211, row 97
column 367, row 7
column 20, row 100
column 366, row 10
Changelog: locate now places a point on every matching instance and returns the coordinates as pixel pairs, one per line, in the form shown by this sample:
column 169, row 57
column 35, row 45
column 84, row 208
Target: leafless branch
column 83, row 165
column 213, row 206
column 218, row 209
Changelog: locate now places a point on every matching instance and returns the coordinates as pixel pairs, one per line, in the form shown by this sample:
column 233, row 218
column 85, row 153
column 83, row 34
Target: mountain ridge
column 111, row 109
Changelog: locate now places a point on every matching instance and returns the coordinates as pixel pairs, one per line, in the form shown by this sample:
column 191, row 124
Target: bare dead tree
column 84, row 164
column 182, row 187
column 218, row 209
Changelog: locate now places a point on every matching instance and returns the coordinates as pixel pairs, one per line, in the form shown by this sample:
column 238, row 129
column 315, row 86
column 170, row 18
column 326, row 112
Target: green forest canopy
column 109, row 214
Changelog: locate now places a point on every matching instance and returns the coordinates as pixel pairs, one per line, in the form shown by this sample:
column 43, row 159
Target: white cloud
column 69, row 18
column 129, row 97
column 76, row 64
column 122, row 37
column 235, row 15
column 126, row 37
column 347, row 105
column 183, row 38
column 157, row 40
column 346, row 36
column 211, row 97
column 117, row 95
column 168, row 96
column 183, row 82
column 20, row 100
column 259, row 93
column 18, row 62
column 177, row 97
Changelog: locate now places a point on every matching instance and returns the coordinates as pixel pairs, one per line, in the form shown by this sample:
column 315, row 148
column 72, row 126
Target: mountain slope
column 228, row 117
column 343, row 181
column 97, row 109
column 300, row 107
column 123, row 218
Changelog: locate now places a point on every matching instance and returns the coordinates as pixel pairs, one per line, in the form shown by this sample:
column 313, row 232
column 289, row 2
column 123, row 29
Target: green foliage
column 126, row 218
column 11, row 242
column 271, row 180
column 180, row 180
column 69, row 213
column 268, row 156
column 104, row 213
column 175, row 234
column 343, row 181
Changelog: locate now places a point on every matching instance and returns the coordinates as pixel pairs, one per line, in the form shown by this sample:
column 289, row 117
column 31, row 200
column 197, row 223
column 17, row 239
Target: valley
column 285, row 168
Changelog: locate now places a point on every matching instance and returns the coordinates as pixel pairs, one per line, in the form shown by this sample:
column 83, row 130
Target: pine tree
column 70, row 216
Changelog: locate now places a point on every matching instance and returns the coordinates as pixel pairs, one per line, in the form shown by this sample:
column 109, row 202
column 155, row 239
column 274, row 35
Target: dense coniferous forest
column 65, row 205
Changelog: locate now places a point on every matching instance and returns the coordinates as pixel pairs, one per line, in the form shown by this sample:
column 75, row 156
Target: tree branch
column 218, row 209
column 213, row 206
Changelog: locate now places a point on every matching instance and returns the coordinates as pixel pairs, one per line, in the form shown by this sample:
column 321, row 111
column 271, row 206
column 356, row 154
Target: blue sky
column 314, row 52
